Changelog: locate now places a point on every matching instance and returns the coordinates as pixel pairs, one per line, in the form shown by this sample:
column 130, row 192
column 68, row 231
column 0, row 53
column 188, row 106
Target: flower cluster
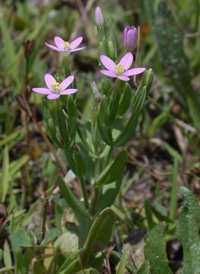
column 56, row 89
column 120, row 70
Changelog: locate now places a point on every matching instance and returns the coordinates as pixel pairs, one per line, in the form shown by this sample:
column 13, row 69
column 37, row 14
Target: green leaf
column 100, row 232
column 50, row 236
column 139, row 99
column 106, row 86
column 81, row 167
column 52, row 133
column 174, row 198
column 148, row 213
column 103, row 111
column 71, row 108
column 158, row 211
column 103, row 122
column 71, row 199
column 70, row 267
column 188, row 232
column 37, row 267
column 144, row 269
column 10, row 137
column 125, row 100
column 122, row 265
column 174, row 153
column 157, row 123
column 29, row 215
column 7, row 269
column 17, row 164
column 105, row 132
column 4, row 176
column 20, row 237
column 113, row 170
column 155, row 251
column 114, row 103
column 127, row 132
column 70, row 260
column 130, row 267
column 7, row 257
column 108, row 194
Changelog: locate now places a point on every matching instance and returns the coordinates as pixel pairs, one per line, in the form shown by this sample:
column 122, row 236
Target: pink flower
column 120, row 70
column 66, row 47
column 56, row 89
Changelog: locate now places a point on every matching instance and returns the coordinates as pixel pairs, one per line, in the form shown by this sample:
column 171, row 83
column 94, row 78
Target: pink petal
column 108, row 63
column 53, row 96
column 134, row 71
column 65, row 83
column 49, row 80
column 108, row 73
column 77, row 49
column 68, row 91
column 59, row 42
column 41, row 90
column 127, row 60
column 76, row 42
column 123, row 78
column 52, row 47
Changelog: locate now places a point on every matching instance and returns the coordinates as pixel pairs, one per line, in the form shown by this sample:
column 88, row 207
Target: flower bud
column 98, row 17
column 95, row 92
column 129, row 37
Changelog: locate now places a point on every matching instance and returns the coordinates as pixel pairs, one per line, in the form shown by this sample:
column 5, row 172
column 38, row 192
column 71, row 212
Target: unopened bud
column 98, row 17
column 95, row 91
column 129, row 37
column 111, row 50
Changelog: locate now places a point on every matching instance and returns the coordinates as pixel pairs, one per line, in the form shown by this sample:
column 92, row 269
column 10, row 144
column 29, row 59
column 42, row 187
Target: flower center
column 66, row 45
column 120, row 69
column 56, row 88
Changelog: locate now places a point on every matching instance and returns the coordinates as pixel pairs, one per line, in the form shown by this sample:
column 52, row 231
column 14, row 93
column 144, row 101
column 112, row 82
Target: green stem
column 109, row 155
column 100, row 31
column 94, row 200
column 62, row 123
column 67, row 66
column 84, row 191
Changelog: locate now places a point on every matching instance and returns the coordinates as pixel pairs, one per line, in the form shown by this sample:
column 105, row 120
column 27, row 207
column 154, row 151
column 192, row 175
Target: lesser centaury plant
column 95, row 150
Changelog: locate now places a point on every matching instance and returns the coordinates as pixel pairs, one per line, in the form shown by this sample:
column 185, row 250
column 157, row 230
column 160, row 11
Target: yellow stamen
column 66, row 45
column 120, row 68
column 56, row 87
